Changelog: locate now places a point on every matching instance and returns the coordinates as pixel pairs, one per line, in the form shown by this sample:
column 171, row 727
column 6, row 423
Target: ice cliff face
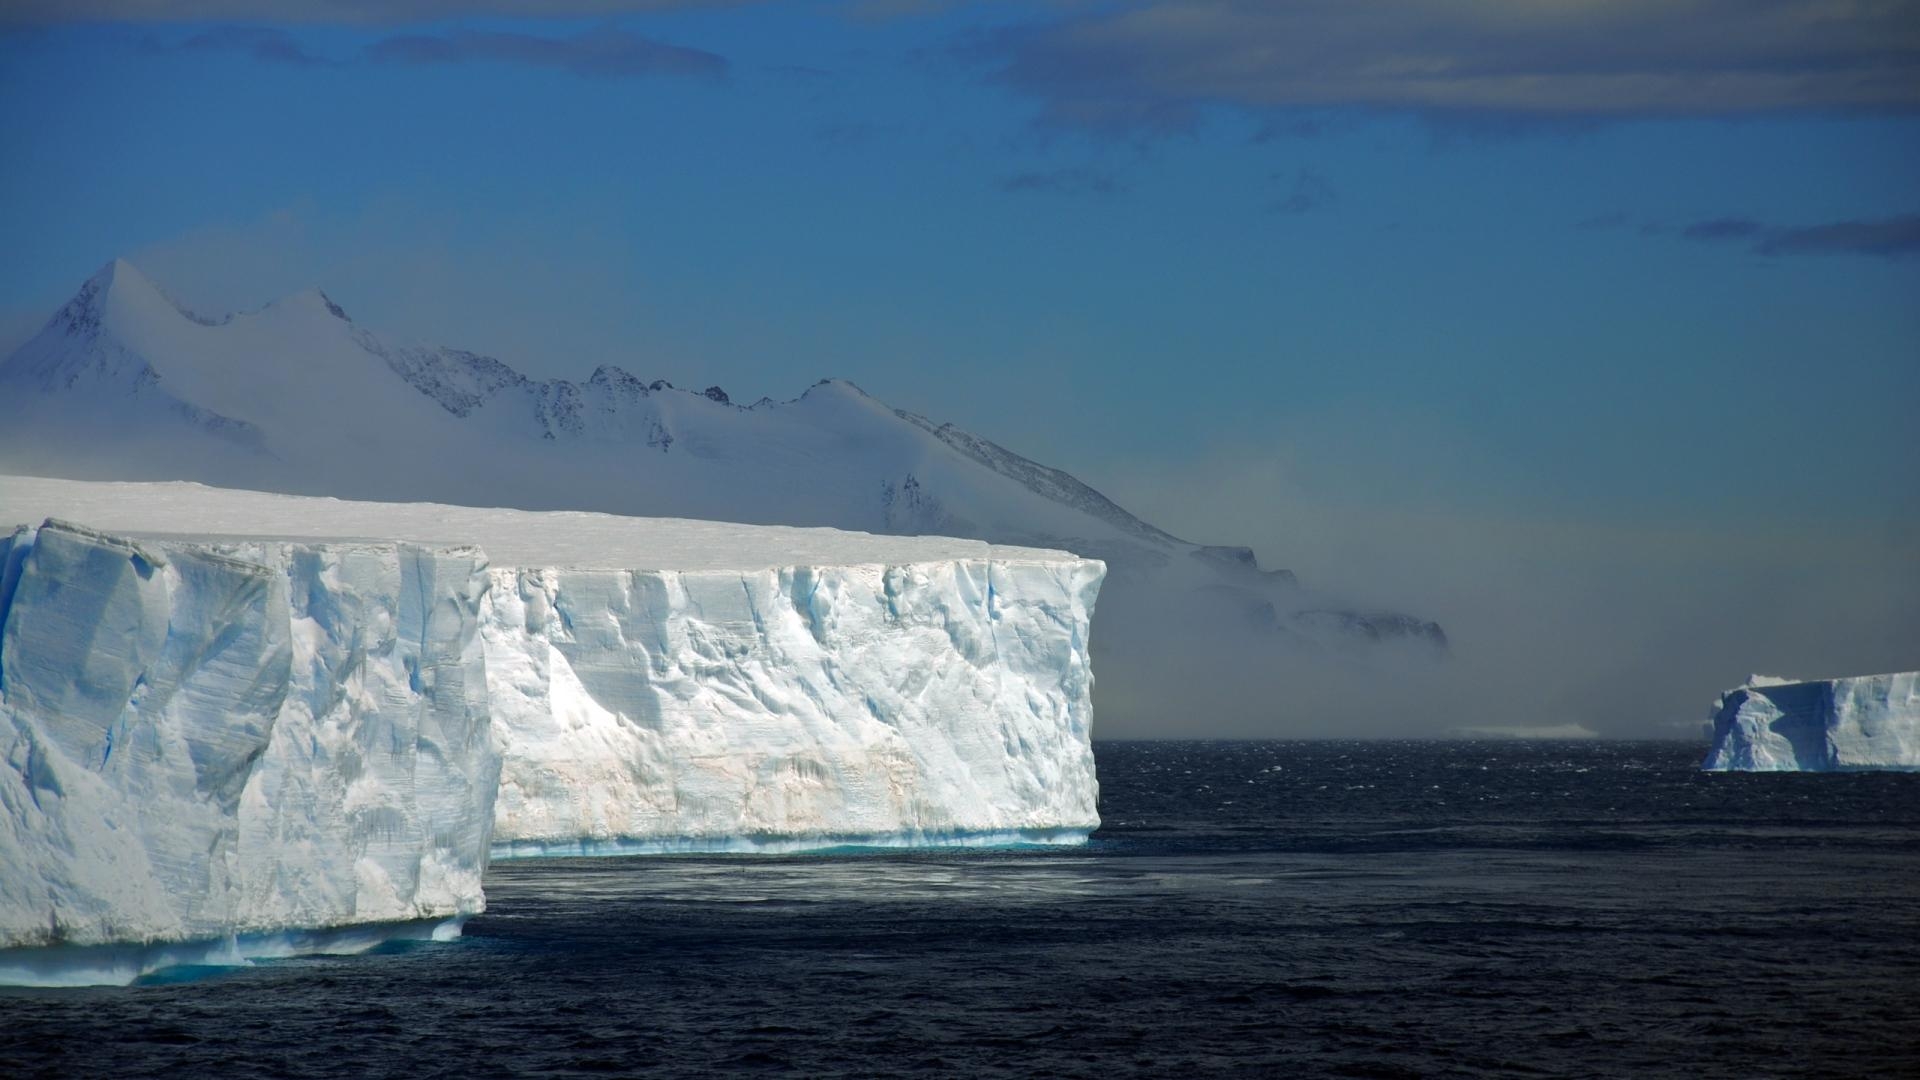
column 1776, row 725
column 793, row 706
column 660, row 684
column 223, row 739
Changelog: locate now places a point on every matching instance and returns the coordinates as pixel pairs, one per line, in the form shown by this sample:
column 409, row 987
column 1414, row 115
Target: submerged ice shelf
column 1780, row 725
column 641, row 684
column 122, row 963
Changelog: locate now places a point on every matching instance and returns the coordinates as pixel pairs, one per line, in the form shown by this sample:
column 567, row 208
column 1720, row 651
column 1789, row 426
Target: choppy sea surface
column 1273, row 908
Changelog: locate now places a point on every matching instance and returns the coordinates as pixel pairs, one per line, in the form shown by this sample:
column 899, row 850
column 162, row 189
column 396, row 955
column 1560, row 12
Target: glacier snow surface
column 650, row 684
column 1777, row 725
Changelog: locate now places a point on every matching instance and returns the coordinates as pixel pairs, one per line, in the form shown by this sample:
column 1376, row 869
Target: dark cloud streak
column 1891, row 238
column 605, row 52
column 388, row 12
column 1886, row 238
column 265, row 45
column 1065, row 181
column 1723, row 229
column 1153, row 69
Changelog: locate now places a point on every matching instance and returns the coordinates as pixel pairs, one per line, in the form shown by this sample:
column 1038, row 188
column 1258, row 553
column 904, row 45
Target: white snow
column 793, row 706
column 512, row 538
column 123, row 385
column 661, row 684
column 211, row 742
column 1777, row 725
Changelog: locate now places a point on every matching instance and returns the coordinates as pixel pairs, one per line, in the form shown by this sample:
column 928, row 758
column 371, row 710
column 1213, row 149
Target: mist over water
column 1304, row 908
column 1606, row 608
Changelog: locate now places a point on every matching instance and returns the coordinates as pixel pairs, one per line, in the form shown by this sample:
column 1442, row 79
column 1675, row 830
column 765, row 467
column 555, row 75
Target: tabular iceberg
column 662, row 684
column 1778, row 725
column 239, row 746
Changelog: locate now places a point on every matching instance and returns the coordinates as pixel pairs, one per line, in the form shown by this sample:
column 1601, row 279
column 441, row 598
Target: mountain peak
column 119, row 289
column 118, row 285
column 121, row 278
column 841, row 387
column 118, row 269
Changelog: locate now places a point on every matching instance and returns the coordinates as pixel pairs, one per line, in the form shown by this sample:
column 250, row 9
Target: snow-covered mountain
column 122, row 383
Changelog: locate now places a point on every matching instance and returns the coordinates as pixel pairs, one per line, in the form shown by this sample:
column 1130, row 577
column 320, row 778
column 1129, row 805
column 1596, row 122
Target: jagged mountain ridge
column 122, row 383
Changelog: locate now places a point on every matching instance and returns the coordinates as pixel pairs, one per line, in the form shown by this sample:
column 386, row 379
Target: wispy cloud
column 322, row 11
column 851, row 134
column 1306, row 191
column 1153, row 68
column 606, row 52
column 1887, row 238
column 1079, row 181
column 261, row 43
column 1276, row 128
column 896, row 9
column 1729, row 228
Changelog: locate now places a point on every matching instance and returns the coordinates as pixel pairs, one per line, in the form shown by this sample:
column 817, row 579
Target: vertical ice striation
column 208, row 740
column 1778, row 725
column 653, row 684
column 793, row 707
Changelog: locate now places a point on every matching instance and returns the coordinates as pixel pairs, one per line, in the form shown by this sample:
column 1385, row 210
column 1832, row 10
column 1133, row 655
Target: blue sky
column 1257, row 269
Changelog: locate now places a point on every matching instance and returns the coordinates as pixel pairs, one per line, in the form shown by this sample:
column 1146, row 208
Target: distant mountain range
column 122, row 383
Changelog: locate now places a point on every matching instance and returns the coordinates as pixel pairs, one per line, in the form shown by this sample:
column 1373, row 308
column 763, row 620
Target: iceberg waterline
column 119, row 964
column 787, row 845
column 276, row 737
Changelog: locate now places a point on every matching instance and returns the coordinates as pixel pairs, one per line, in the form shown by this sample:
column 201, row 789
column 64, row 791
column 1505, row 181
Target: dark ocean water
column 1310, row 909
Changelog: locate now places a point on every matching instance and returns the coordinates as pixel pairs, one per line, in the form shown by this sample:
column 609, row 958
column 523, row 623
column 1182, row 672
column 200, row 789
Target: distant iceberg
column 1771, row 724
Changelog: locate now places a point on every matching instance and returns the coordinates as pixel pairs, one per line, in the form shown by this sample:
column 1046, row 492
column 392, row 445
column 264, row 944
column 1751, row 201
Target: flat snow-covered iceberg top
column 1778, row 725
column 661, row 684
column 229, row 741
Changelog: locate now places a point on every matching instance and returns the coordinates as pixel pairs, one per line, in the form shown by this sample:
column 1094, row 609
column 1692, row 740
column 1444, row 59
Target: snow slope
column 123, row 384
column 1778, row 725
column 668, row 684
column 220, row 746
